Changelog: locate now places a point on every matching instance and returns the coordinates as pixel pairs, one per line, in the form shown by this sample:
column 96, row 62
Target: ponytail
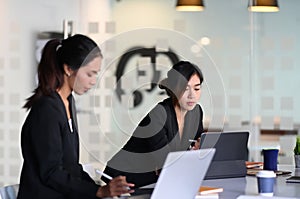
column 75, row 51
column 50, row 73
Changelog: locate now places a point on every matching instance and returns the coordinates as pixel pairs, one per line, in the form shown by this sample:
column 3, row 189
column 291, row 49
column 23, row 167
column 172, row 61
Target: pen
column 104, row 174
column 107, row 176
column 190, row 140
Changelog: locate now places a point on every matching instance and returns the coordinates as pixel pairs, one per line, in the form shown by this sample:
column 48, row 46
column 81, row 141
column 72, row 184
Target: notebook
column 231, row 153
column 181, row 175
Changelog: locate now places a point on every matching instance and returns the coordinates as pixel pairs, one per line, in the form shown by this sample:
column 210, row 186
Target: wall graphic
column 156, row 75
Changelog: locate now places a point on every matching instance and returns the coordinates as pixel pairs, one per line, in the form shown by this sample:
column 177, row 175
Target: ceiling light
column 263, row 6
column 190, row 5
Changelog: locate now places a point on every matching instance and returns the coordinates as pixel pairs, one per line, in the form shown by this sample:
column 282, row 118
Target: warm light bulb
column 190, row 8
column 263, row 9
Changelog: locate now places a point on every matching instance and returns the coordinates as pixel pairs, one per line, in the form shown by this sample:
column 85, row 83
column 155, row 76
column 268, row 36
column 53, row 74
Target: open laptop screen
column 181, row 175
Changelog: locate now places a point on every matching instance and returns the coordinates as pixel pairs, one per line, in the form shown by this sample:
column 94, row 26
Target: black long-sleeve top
column 156, row 136
column 50, row 149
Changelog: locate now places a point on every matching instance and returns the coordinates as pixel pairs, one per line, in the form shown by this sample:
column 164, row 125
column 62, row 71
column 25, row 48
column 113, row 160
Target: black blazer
column 50, row 149
column 156, row 136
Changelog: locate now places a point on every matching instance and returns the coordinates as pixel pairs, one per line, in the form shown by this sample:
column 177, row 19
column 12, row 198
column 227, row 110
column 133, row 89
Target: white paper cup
column 265, row 182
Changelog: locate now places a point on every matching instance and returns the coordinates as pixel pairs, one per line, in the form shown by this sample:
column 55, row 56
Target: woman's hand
column 117, row 186
column 157, row 171
column 196, row 145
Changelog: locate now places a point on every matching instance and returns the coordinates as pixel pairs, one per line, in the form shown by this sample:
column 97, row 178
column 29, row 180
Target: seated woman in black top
column 169, row 126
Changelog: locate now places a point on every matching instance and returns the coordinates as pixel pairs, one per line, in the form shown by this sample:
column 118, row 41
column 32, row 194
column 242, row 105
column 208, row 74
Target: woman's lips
column 190, row 103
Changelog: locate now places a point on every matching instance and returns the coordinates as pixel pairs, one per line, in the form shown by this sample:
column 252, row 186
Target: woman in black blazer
column 49, row 137
column 170, row 126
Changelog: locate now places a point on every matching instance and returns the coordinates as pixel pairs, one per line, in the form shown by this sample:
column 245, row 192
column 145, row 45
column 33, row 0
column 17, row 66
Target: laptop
column 181, row 176
column 231, row 153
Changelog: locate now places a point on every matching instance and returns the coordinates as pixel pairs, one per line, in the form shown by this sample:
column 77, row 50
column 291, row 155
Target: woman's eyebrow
column 193, row 85
column 95, row 72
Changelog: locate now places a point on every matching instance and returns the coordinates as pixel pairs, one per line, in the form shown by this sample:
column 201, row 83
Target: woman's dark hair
column 75, row 51
column 178, row 77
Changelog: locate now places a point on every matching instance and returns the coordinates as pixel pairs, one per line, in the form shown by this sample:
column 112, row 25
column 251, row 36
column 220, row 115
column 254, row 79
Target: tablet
column 231, row 153
column 293, row 179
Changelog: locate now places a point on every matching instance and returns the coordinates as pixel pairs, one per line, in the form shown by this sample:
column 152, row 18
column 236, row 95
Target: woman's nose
column 93, row 82
column 191, row 94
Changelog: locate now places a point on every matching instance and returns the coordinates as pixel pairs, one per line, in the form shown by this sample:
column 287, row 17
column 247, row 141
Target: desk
column 234, row 187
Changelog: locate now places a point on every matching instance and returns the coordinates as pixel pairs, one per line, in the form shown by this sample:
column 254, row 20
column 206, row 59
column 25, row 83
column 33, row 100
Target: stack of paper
column 208, row 192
